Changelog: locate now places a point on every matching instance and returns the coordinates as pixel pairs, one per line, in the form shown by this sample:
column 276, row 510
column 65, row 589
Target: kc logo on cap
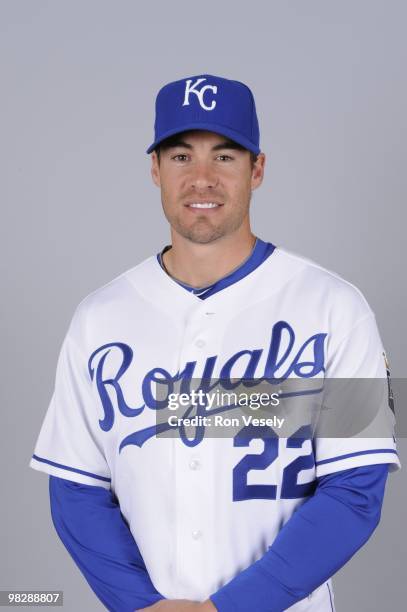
column 199, row 93
column 207, row 102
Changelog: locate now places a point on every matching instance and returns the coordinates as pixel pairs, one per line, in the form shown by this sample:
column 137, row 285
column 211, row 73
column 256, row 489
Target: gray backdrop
column 78, row 83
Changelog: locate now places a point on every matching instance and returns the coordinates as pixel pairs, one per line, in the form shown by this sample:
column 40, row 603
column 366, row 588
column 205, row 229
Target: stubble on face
column 203, row 229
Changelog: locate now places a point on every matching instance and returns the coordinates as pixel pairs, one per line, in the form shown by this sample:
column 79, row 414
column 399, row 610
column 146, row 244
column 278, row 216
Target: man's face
column 206, row 184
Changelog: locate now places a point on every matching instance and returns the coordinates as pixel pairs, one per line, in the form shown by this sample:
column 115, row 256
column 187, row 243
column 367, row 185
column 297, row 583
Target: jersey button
column 194, row 464
column 200, row 343
column 197, row 534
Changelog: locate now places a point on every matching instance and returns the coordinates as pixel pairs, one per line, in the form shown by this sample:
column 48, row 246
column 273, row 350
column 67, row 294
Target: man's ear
column 258, row 171
column 155, row 169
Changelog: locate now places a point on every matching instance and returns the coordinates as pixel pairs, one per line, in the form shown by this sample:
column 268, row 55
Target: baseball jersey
column 214, row 504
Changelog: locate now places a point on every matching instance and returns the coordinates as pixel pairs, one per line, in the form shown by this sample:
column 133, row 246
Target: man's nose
column 203, row 177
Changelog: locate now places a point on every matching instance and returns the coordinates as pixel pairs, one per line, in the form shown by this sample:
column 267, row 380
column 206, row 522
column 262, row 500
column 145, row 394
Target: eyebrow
column 226, row 144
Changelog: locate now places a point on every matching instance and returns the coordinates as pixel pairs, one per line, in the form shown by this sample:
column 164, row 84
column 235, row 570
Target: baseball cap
column 207, row 102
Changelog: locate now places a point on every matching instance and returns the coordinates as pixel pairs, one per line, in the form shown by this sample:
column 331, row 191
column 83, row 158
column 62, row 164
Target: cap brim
column 209, row 127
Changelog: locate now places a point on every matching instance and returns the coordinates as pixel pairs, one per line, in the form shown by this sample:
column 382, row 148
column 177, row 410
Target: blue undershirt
column 318, row 539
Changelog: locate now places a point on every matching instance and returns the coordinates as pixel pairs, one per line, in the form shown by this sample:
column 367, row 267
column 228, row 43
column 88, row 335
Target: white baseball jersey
column 190, row 506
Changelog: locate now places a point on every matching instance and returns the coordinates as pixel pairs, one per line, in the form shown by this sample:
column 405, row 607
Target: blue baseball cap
column 207, row 102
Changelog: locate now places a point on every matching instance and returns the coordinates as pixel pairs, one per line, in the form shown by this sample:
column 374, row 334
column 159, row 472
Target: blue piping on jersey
column 366, row 452
column 71, row 469
column 261, row 251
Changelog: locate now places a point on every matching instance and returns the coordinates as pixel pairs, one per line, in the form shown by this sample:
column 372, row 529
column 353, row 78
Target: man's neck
column 200, row 265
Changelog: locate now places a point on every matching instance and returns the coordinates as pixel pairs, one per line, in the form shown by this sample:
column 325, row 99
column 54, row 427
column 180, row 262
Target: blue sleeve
column 89, row 522
column 319, row 538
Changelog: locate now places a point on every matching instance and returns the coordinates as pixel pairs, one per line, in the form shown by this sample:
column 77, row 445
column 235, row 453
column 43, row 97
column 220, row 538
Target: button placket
column 194, row 464
column 200, row 341
column 199, row 334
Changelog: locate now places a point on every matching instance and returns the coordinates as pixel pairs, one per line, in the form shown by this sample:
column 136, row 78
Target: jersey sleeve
column 69, row 444
column 358, row 378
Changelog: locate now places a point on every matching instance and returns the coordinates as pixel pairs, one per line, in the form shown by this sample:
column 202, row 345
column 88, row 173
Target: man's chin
column 202, row 235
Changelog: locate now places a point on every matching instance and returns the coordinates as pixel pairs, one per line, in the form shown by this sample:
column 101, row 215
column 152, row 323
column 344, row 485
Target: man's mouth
column 203, row 205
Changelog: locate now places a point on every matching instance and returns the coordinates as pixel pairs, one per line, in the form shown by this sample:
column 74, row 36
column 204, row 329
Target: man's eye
column 226, row 157
column 179, row 156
